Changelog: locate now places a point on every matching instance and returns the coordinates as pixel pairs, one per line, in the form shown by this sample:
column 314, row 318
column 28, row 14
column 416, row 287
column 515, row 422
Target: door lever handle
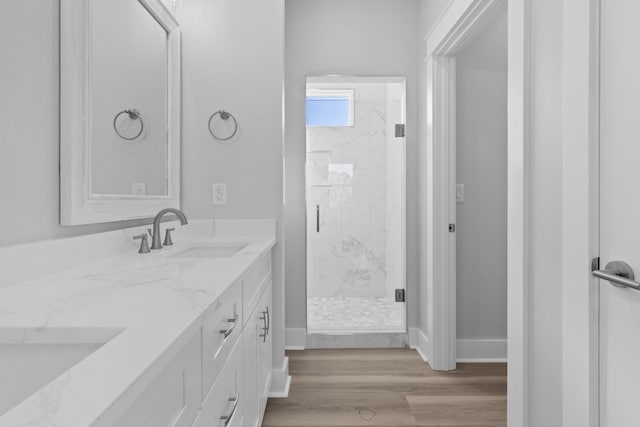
column 619, row 274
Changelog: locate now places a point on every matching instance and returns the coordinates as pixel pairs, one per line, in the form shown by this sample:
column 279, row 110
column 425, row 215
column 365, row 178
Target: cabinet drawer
column 221, row 328
column 224, row 403
column 253, row 279
column 173, row 399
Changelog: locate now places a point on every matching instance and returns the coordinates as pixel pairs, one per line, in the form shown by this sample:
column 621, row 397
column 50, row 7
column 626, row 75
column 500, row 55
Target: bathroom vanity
column 95, row 334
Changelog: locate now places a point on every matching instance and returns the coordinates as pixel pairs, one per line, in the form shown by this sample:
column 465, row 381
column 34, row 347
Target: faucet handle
column 150, row 231
column 167, row 237
column 144, row 244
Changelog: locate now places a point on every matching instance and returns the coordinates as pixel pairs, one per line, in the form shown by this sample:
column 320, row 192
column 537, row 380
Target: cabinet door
column 264, row 317
column 250, row 340
column 173, row 399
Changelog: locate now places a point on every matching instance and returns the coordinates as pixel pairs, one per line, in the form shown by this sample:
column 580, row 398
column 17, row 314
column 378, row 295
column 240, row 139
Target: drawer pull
column 229, row 330
column 265, row 327
column 227, row 418
column 268, row 319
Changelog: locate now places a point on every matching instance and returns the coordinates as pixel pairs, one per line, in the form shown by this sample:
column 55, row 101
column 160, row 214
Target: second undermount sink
column 31, row 358
column 211, row 250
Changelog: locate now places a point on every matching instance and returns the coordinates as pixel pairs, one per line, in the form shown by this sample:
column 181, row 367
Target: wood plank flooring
column 387, row 387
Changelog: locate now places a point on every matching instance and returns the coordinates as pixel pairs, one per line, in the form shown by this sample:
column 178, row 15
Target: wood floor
column 387, row 387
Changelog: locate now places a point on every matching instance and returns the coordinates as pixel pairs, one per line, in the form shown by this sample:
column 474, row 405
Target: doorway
column 481, row 195
column 355, row 198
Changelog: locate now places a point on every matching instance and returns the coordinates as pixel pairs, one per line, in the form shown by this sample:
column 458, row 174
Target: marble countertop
column 147, row 304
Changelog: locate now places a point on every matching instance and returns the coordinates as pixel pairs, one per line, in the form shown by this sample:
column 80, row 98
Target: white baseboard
column 280, row 381
column 481, row 350
column 360, row 340
column 295, row 339
column 420, row 342
column 467, row 350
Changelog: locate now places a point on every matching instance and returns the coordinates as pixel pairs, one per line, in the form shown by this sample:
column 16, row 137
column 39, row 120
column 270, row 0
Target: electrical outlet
column 139, row 189
column 220, row 194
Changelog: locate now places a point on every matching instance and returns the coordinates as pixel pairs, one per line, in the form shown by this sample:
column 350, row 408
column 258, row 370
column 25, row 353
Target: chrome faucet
column 156, row 225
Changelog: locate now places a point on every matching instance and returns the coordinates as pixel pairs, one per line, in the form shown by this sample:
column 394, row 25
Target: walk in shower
column 355, row 195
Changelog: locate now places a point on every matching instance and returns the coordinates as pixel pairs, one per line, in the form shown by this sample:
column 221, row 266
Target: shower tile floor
column 356, row 314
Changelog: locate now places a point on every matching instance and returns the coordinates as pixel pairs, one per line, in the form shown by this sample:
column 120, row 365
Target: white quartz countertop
column 148, row 303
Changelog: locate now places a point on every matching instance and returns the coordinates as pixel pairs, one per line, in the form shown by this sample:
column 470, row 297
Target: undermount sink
column 32, row 358
column 211, row 250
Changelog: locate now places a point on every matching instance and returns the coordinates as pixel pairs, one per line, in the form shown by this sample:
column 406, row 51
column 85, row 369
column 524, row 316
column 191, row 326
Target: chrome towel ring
column 133, row 115
column 224, row 115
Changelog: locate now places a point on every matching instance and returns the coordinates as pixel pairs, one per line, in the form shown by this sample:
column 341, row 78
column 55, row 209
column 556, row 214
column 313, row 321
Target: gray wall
column 481, row 157
column 233, row 59
column 348, row 37
column 29, row 125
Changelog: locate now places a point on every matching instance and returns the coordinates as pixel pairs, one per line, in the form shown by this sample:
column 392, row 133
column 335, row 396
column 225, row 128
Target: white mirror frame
column 77, row 205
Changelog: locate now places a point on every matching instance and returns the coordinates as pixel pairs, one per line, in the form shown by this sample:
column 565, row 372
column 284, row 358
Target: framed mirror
column 120, row 110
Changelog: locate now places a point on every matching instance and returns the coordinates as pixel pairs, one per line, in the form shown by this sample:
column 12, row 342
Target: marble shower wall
column 356, row 176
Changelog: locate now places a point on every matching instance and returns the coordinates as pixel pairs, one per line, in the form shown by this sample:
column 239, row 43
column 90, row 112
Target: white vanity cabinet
column 222, row 328
column 223, row 405
column 222, row 377
column 257, row 360
column 173, row 398
column 257, row 342
column 263, row 346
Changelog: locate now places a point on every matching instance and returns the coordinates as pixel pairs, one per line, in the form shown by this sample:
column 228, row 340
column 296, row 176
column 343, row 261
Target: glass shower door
column 355, row 184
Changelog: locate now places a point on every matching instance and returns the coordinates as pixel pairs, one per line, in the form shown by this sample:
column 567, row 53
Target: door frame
column 458, row 25
column 580, row 217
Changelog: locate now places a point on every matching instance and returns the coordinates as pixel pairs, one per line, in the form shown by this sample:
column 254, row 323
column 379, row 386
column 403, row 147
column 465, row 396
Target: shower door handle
column 317, row 218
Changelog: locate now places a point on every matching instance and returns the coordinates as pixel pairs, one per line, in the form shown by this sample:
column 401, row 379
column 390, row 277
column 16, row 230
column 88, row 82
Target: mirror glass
column 128, row 103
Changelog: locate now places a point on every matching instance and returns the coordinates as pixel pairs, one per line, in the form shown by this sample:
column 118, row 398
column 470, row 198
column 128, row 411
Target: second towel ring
column 224, row 115
column 133, row 115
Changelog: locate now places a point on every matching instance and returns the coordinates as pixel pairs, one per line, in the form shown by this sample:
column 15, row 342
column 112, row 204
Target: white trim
column 518, row 213
column 460, row 24
column 463, row 20
column 580, row 223
column 455, row 29
column 482, row 350
column 295, row 339
column 280, row 381
column 420, row 342
column 357, row 340
column 77, row 205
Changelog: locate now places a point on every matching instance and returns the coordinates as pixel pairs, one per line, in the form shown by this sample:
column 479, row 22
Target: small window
column 330, row 107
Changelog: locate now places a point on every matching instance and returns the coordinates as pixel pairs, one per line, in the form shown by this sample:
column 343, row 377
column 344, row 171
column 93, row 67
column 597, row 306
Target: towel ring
column 224, row 115
column 133, row 115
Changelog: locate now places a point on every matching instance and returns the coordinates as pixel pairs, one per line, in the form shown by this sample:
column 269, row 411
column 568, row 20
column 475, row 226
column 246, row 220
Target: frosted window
column 330, row 108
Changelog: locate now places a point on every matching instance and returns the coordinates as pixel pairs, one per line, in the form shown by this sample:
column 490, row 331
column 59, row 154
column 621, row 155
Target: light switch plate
column 219, row 194
column 459, row 193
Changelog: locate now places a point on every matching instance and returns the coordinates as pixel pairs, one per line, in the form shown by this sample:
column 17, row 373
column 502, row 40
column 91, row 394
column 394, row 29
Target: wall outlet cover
column 139, row 189
column 219, row 196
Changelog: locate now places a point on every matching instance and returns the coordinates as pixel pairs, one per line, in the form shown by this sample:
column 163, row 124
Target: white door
column 620, row 212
